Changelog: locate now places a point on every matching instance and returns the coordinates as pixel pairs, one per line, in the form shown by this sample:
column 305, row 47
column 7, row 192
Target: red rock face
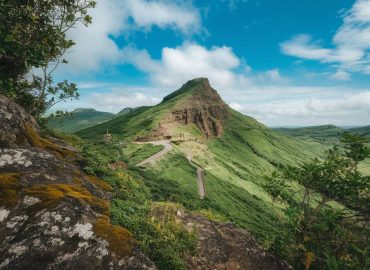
column 204, row 108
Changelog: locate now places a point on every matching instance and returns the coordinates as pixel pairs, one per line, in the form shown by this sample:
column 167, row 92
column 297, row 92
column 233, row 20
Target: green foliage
column 318, row 236
column 71, row 139
column 98, row 155
column 356, row 148
column 165, row 241
column 33, row 36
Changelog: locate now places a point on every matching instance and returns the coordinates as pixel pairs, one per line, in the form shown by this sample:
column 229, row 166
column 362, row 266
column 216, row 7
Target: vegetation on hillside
column 165, row 241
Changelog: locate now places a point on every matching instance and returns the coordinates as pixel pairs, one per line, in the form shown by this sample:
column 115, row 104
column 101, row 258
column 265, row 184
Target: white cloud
column 302, row 46
column 304, row 106
column 178, row 65
column 341, row 75
column 116, row 101
column 351, row 43
column 272, row 75
column 164, row 14
column 236, row 106
column 94, row 46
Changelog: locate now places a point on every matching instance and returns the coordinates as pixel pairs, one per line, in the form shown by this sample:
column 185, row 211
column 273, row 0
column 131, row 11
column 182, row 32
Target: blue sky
column 292, row 64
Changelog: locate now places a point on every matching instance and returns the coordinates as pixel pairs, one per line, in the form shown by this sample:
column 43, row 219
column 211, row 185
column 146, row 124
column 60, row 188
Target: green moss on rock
column 120, row 240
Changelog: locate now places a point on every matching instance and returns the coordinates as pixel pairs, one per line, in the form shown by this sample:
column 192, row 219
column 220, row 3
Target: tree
column 327, row 215
column 33, row 36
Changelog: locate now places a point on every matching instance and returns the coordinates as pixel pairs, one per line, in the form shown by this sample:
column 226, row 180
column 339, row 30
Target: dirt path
column 167, row 148
column 200, row 178
column 200, row 181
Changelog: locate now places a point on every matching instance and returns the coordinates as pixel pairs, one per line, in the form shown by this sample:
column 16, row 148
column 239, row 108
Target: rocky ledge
column 52, row 215
column 221, row 246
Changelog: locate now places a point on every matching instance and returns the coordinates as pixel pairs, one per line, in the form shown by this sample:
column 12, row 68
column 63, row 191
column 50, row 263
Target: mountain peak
column 201, row 105
column 198, row 81
column 198, row 88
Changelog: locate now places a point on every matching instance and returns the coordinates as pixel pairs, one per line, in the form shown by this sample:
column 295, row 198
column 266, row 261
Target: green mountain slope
column 235, row 151
column 79, row 119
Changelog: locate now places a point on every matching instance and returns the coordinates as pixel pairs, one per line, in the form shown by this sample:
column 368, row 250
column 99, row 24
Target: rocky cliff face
column 204, row 108
column 52, row 215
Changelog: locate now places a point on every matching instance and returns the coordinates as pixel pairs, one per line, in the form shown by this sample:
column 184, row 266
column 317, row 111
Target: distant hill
column 323, row 134
column 364, row 131
column 79, row 119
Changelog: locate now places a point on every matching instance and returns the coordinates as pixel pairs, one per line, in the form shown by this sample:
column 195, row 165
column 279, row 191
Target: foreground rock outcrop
column 52, row 215
column 221, row 246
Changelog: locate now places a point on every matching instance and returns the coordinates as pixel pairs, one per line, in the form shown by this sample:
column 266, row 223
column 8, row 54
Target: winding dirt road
column 200, row 178
column 200, row 181
column 168, row 147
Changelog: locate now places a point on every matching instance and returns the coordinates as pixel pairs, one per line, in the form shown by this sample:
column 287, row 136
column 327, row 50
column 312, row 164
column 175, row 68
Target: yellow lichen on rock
column 9, row 187
column 52, row 194
column 36, row 140
column 120, row 240
column 99, row 183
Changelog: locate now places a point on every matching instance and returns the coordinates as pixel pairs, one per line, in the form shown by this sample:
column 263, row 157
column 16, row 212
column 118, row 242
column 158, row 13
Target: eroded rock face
column 52, row 215
column 13, row 122
column 204, row 108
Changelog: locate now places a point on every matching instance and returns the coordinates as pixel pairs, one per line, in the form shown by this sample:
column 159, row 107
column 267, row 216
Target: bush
column 318, row 234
